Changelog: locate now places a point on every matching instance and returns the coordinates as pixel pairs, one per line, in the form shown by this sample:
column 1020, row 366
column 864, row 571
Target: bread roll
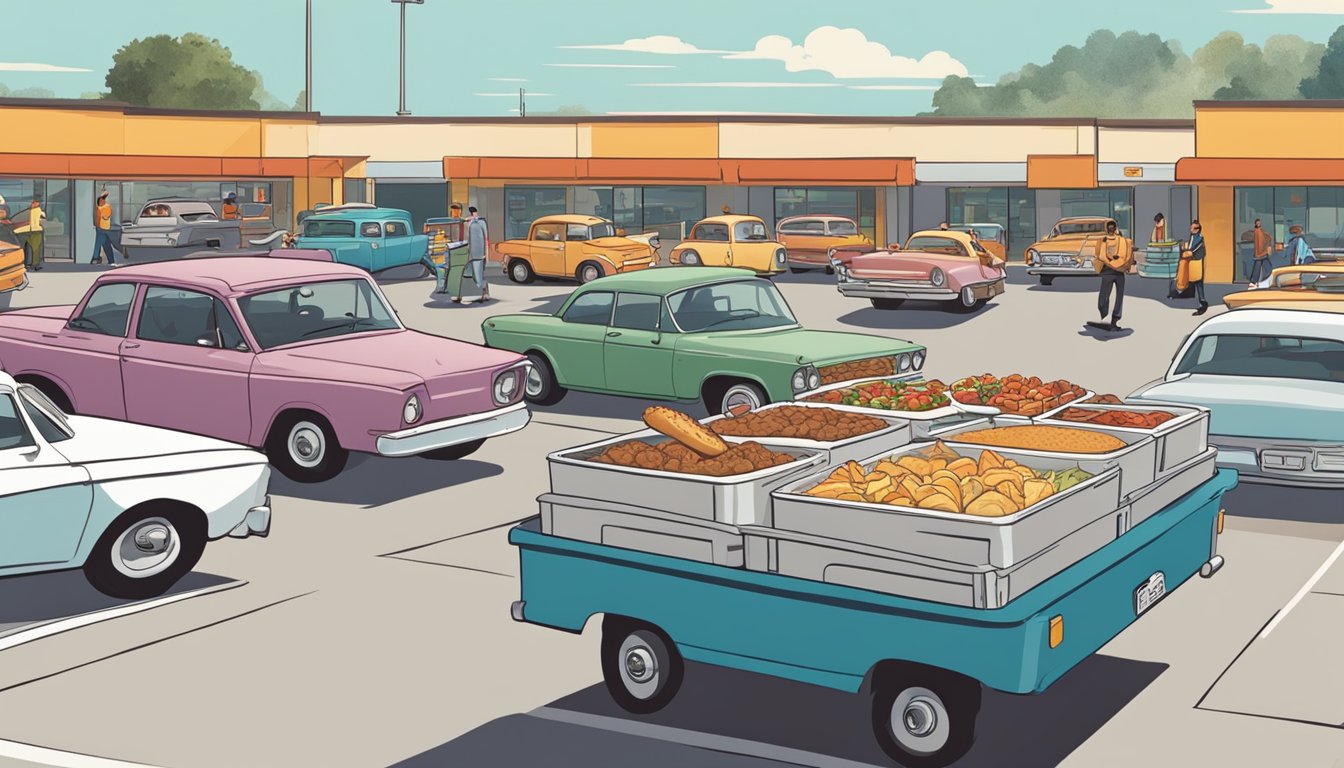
column 685, row 430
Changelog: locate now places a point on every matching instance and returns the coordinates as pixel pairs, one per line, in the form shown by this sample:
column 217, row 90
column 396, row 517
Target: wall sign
column 1134, row 171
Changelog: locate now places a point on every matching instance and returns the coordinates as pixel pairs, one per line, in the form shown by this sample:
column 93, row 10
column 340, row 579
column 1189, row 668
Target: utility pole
column 403, row 3
column 308, row 58
column 522, row 102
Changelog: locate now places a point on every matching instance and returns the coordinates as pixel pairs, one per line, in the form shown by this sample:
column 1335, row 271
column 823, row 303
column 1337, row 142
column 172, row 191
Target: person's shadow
column 1102, row 334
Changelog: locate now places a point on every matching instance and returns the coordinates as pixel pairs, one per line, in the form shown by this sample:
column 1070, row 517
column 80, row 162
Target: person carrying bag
column 1298, row 251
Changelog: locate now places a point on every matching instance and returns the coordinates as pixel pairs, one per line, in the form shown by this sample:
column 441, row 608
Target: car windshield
column 604, row 229
column 749, row 230
column 1080, row 227
column 1320, row 282
column 983, row 232
column 46, row 416
column 741, row 305
column 1283, row 357
column 935, row 244
column 315, row 311
column 843, row 228
column 7, row 236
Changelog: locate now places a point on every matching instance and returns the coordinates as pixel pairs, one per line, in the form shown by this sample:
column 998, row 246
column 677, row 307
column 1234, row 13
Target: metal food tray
column 1178, row 440
column 896, row 434
column 832, row 561
column 642, row 529
column 735, row 500
column 931, row 414
column 1181, row 480
column 998, row 542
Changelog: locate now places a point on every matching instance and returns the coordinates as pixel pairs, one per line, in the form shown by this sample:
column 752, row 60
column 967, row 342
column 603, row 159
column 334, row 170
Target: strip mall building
column 1234, row 162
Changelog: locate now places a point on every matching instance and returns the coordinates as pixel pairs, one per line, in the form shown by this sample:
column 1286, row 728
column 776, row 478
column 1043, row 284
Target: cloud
column 513, row 95
column 661, row 44
column 893, row 87
column 614, row 66
column 1312, row 7
column 508, row 79
column 19, row 66
column 735, row 85
column 848, row 53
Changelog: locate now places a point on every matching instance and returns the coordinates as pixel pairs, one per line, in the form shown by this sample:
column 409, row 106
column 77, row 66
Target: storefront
column 859, row 204
column 668, row 210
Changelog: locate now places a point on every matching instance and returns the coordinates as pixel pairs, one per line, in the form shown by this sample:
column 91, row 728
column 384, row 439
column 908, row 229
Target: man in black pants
column 1112, row 259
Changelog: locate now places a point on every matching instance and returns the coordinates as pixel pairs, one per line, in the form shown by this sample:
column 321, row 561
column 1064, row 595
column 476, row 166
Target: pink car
column 934, row 265
column 302, row 358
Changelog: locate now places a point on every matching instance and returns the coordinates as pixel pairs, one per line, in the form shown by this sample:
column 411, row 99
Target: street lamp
column 308, row 57
column 403, row 4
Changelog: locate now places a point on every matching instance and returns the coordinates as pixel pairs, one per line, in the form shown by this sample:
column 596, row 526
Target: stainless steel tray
column 1174, row 484
column 998, row 542
column 641, row 528
column 735, row 500
column 1178, row 440
column 895, row 435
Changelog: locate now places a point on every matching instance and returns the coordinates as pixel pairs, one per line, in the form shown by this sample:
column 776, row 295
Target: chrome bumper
column 1282, row 462
column 450, row 432
column 256, row 523
column 880, row 289
column 1062, row 271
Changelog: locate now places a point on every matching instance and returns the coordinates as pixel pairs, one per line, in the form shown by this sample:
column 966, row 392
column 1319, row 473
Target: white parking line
column 17, row 750
column 85, row 619
column 1301, row 593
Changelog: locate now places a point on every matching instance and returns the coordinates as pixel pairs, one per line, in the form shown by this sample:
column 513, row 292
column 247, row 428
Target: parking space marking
column 708, row 741
column 59, row 626
column 450, row 565
column 29, row 753
column 1301, row 593
column 454, row 537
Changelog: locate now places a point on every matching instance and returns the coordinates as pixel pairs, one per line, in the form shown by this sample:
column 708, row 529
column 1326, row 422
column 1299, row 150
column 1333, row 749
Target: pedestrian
column 1159, row 229
column 1298, row 251
column 1192, row 265
column 478, row 245
column 102, row 231
column 1262, row 245
column 33, row 228
column 229, row 210
column 942, row 225
column 1113, row 256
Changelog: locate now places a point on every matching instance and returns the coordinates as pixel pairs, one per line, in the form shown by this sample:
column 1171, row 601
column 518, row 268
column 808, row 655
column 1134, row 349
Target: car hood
column 396, row 359
column 1246, row 406
column 794, row 345
column 150, row 450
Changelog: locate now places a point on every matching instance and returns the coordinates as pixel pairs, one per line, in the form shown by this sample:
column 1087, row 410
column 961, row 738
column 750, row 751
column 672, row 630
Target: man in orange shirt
column 102, row 228
column 1262, row 245
column 230, row 210
column 1113, row 257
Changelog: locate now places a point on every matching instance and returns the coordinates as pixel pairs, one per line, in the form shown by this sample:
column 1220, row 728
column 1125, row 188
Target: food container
column 1178, row 440
column 940, row 412
column 735, row 500
column 997, row 542
column 896, row 434
column 642, row 529
column 1174, row 484
column 918, row 576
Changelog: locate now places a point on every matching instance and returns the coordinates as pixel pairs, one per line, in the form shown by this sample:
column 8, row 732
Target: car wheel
column 965, row 303
column 146, row 550
column 541, row 387
column 926, row 718
column 887, row 303
column 303, row 447
column 735, row 395
column 830, row 270
column 587, row 272
column 690, row 259
column 520, row 271
column 641, row 666
column 453, row 452
column 1047, row 279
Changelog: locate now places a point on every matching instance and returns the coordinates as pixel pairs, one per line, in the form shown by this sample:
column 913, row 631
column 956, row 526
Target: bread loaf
column 685, row 430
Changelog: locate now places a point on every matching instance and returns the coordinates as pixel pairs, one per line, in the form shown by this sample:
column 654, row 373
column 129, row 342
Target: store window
column 354, row 191
column 1013, row 208
column 1115, row 202
column 859, row 204
column 1318, row 210
column 523, row 205
column 671, row 211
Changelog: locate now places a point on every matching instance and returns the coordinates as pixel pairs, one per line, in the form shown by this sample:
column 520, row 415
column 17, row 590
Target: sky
column 859, row 57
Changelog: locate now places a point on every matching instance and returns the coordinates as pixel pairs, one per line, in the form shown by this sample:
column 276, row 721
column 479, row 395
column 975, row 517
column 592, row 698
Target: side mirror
column 30, row 450
column 206, row 340
column 306, row 292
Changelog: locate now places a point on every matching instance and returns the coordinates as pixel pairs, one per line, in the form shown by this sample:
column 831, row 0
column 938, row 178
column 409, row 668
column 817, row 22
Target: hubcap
column 738, row 398
column 919, row 721
column 519, row 273
column 534, row 383
column 691, row 259
column 589, row 274
column 920, row 718
column 307, row 445
column 145, row 548
column 639, row 667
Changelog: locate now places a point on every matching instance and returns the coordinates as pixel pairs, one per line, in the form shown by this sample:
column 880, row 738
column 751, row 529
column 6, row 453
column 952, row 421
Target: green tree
column 188, row 72
column 1328, row 82
column 301, row 101
column 26, row 93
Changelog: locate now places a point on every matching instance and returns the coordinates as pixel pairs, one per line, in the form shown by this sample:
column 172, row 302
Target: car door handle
column 613, row 333
column 130, row 346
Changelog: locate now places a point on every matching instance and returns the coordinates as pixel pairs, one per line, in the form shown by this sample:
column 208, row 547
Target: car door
column 44, row 501
column 637, row 354
column 711, row 242
column 397, row 244
column 371, row 242
column 577, row 349
column 187, row 365
column 546, row 249
column 86, row 353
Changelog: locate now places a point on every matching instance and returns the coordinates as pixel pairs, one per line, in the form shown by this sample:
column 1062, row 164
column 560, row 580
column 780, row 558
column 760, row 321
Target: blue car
column 365, row 236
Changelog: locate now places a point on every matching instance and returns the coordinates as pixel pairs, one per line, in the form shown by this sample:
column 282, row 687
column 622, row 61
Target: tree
column 301, row 101
column 1328, row 82
column 26, row 93
column 190, row 72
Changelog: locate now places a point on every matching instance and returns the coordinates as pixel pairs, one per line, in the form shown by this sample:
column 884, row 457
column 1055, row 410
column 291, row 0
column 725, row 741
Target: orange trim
column 882, row 171
column 1061, row 171
column 148, row 166
column 689, row 170
column 878, row 171
column 326, row 167
column 1255, row 170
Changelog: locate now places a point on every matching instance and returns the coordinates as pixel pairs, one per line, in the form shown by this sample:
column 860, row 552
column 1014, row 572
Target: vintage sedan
column 172, row 227
column 721, row 336
column 1274, row 380
column 13, row 272
column 300, row 357
column 991, row 237
column 934, row 265
column 808, row 240
column 1306, row 286
column 366, row 236
column 575, row 247
column 1067, row 250
column 732, row 241
column 132, row 506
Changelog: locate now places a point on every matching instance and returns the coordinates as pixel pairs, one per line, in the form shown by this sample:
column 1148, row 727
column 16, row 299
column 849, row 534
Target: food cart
column 921, row 610
column 1159, row 260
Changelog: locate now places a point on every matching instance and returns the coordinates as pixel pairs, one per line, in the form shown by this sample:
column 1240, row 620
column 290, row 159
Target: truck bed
column 832, row 635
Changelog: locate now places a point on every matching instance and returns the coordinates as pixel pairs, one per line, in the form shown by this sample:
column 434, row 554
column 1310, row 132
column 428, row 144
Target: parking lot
column 372, row 627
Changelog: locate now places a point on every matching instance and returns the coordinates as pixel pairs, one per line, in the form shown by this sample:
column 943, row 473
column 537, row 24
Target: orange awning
column 1061, row 171
column 882, row 171
column 1258, row 170
column 155, row 167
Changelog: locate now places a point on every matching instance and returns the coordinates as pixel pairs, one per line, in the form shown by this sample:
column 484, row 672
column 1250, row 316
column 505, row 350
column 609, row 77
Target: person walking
column 478, row 246
column 1298, row 251
column 1193, row 255
column 33, row 228
column 1262, row 245
column 1112, row 258
column 102, row 226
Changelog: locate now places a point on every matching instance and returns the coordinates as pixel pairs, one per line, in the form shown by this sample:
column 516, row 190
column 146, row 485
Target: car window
column 843, row 228
column 1081, row 227
column 44, row 414
column 107, row 310
column 592, row 308
column 715, row 233
column 547, row 231
column 314, row 311
column 175, row 316
column 749, row 230
column 13, row 432
column 934, row 244
column 637, row 311
column 1285, row 357
column 577, row 232
column 370, row 229
column 605, row 229
column 328, row 228
column 395, row 229
column 731, row 306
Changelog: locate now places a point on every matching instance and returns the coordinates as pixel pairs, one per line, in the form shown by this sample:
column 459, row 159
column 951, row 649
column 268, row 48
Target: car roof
column 359, row 213
column 977, row 225
column 1310, row 268
column 233, row 275
column 665, row 280
column 730, row 219
column 815, row 217
column 571, row 218
column 1260, row 320
column 1075, row 219
column 951, row 234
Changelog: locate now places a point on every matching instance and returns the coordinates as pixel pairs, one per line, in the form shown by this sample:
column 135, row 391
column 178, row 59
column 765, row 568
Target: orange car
column 810, row 239
column 1309, row 286
column 13, row 273
column 576, row 247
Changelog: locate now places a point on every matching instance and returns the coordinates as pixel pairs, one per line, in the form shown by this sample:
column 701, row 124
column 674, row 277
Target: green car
column 719, row 335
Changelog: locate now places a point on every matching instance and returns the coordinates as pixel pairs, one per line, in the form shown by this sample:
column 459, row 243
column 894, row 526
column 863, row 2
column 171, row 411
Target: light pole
column 308, row 58
column 402, row 104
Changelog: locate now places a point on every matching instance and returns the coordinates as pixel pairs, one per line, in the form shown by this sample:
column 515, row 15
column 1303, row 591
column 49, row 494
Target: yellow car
column 1309, row 286
column 732, row 241
column 1067, row 250
column 13, row 273
column 809, row 240
column 575, row 247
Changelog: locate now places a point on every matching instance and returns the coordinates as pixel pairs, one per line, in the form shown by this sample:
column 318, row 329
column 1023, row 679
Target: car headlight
column 903, row 362
column 1032, row 255
column 410, row 413
column 799, row 381
column 813, row 379
column 506, row 386
column 917, row 359
column 781, row 256
column 937, row 278
column 805, row 378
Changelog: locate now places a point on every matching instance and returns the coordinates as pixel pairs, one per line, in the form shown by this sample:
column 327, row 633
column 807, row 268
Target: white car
column 1274, row 381
column 131, row 505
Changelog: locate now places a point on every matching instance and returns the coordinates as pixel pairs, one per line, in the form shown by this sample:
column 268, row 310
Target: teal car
column 719, row 335
column 365, row 236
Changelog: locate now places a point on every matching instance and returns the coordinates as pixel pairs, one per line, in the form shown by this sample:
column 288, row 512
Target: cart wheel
column 925, row 718
column 641, row 666
column 1047, row 279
